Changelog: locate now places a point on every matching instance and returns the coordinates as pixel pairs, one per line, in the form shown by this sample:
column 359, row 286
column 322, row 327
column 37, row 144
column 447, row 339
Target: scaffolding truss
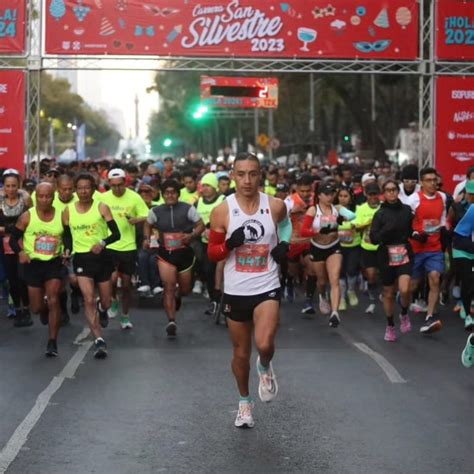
column 426, row 68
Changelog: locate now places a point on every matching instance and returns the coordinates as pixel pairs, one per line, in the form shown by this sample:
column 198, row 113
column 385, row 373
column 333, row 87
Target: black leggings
column 17, row 287
column 464, row 270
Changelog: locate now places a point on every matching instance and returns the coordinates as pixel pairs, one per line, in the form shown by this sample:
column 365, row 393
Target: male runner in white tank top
column 244, row 234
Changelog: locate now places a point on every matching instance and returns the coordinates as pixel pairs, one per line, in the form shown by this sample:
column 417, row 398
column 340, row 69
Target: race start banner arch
column 454, row 128
column 13, row 27
column 292, row 29
column 12, row 119
column 455, row 30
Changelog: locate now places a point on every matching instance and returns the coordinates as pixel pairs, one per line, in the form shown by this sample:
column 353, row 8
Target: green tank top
column 204, row 210
column 43, row 240
column 87, row 228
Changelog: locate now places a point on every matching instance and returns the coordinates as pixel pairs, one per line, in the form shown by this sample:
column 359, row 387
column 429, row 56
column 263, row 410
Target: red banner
column 12, row 119
column 455, row 30
column 342, row 29
column 454, row 128
column 12, row 26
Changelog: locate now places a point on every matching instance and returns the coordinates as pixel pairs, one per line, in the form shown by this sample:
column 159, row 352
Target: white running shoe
column 143, row 289
column 113, row 310
column 197, row 288
column 125, row 323
column 267, row 385
column 157, row 290
column 370, row 309
column 419, row 306
column 244, row 417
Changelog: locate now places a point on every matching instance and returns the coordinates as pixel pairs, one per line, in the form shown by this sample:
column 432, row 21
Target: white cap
column 116, row 173
column 368, row 177
column 11, row 171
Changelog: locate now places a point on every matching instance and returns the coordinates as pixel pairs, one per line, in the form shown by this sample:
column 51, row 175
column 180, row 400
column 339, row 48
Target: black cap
column 326, row 188
column 168, row 158
column 282, row 188
column 372, row 188
column 410, row 172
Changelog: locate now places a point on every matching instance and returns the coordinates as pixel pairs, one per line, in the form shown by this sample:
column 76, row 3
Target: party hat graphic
column 106, row 28
column 382, row 20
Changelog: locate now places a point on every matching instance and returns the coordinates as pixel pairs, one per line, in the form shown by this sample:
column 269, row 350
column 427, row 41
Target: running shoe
column 103, row 315
column 352, row 297
column 290, row 294
column 112, row 312
column 390, row 334
column 11, row 311
column 157, row 290
column 125, row 323
column 468, row 323
column 244, row 417
column 23, row 319
column 334, row 320
column 419, row 306
column 171, row 329
column 144, row 289
column 405, row 324
column 267, row 385
column 432, row 324
column 308, row 308
column 100, row 348
column 324, row 306
column 342, row 304
column 370, row 309
column 197, row 288
column 75, row 304
column 211, row 308
column 51, row 349
column 468, row 353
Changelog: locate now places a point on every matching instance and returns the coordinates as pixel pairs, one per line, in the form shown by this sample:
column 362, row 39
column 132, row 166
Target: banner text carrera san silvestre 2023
column 312, row 29
column 12, row 27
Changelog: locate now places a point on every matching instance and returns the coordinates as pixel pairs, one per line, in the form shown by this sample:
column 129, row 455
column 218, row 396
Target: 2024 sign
column 8, row 23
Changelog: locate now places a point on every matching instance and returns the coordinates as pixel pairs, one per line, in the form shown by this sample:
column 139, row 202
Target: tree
column 60, row 106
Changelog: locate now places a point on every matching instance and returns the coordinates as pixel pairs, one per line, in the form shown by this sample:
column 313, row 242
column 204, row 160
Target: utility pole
column 137, row 120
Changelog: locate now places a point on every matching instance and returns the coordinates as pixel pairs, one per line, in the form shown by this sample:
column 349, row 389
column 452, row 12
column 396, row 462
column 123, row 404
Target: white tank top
column 321, row 220
column 250, row 269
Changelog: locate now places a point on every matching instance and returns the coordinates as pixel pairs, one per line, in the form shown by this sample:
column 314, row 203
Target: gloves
column 340, row 220
column 420, row 237
column 327, row 230
column 279, row 252
column 236, row 239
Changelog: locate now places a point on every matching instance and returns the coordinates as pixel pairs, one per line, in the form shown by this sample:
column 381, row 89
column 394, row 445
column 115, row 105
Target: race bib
column 346, row 236
column 173, row 240
column 397, row 255
column 430, row 226
column 7, row 250
column 46, row 245
column 252, row 258
column 328, row 221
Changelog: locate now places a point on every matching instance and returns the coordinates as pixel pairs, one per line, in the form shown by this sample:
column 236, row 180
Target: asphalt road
column 348, row 402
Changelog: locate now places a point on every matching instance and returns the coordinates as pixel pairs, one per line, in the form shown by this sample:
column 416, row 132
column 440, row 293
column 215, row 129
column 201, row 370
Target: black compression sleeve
column 115, row 233
column 16, row 235
column 67, row 238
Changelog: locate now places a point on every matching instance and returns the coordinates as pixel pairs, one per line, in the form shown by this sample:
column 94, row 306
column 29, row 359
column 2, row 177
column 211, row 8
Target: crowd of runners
column 243, row 235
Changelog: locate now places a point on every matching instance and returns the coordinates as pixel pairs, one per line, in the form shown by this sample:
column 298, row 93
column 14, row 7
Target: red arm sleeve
column 307, row 227
column 216, row 248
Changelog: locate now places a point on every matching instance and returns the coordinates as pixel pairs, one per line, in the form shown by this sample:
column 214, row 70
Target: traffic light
column 200, row 112
column 346, row 138
column 167, row 142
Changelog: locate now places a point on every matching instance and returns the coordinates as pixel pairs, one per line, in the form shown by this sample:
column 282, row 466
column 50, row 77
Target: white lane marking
column 20, row 436
column 81, row 336
column 390, row 371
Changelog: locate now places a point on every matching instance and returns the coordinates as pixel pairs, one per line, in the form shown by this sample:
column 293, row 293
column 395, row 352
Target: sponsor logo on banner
column 242, row 28
column 12, row 26
column 455, row 134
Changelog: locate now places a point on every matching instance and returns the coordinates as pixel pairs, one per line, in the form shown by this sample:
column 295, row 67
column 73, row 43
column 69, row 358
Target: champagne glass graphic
column 306, row 35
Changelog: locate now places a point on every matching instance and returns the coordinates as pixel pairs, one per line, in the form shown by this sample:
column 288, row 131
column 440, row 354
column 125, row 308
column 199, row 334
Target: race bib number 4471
column 252, row 258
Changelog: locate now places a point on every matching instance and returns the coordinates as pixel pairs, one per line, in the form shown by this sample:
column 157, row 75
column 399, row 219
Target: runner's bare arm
column 16, row 233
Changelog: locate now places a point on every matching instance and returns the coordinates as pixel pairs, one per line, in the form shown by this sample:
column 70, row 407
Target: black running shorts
column 241, row 308
column 124, row 262
column 37, row 272
column 182, row 259
column 368, row 259
column 321, row 255
column 89, row 265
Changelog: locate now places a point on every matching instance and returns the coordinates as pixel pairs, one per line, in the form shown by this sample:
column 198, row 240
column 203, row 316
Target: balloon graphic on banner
column 403, row 16
column 355, row 20
column 382, row 19
column 57, row 9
